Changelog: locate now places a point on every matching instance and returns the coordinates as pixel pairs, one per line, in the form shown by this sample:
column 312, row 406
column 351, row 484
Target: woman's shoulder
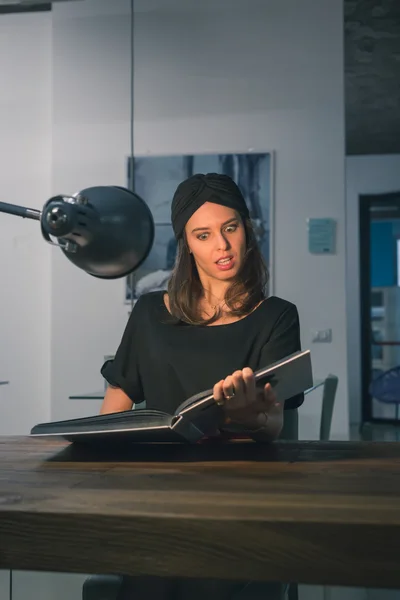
column 279, row 303
column 275, row 308
column 149, row 303
column 148, row 312
column 151, row 298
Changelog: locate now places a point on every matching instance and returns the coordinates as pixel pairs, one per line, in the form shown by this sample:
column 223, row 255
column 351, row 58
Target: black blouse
column 164, row 362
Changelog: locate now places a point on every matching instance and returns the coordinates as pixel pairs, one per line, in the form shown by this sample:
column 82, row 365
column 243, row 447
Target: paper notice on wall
column 321, row 236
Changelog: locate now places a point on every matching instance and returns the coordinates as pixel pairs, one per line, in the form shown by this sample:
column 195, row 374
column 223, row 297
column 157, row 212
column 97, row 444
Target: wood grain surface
column 311, row 512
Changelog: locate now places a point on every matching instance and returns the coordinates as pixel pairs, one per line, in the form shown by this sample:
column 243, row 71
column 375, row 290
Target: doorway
column 380, row 304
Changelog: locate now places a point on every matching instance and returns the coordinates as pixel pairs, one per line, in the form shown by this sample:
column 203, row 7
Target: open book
column 195, row 418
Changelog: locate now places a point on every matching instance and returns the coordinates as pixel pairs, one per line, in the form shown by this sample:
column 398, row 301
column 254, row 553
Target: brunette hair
column 243, row 295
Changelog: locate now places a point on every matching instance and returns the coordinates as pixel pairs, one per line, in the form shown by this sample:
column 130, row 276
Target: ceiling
column 372, row 76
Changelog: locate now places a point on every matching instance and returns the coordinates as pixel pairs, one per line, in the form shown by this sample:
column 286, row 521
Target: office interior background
column 315, row 82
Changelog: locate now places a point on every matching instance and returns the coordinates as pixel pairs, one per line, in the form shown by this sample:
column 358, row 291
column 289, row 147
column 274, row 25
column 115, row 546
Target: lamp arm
column 20, row 211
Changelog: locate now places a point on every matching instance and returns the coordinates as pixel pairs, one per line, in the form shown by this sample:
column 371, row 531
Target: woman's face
column 216, row 237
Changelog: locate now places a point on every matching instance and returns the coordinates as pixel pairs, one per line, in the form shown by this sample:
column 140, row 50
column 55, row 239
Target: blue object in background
column 383, row 255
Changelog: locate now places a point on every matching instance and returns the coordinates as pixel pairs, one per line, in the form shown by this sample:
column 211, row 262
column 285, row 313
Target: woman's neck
column 215, row 291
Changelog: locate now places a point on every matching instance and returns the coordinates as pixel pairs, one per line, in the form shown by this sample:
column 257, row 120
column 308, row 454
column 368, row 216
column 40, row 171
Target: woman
column 214, row 327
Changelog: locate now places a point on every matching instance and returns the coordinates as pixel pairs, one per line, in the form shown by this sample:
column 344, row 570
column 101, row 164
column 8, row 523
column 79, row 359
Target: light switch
column 322, row 335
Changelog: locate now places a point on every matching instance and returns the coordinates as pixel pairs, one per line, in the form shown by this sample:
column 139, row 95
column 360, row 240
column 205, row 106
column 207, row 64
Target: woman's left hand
column 244, row 402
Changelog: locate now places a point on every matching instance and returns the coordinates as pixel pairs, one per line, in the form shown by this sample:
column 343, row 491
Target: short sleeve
column 123, row 371
column 284, row 340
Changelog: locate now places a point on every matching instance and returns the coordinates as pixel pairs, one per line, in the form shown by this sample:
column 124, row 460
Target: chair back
column 328, row 401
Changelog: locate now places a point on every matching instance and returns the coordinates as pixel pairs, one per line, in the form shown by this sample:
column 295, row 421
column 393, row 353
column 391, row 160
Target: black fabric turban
column 198, row 189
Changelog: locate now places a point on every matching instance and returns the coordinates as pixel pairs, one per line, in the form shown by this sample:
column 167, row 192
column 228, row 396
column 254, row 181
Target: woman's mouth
column 224, row 264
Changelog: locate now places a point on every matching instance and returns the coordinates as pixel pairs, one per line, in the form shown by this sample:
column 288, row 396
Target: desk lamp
column 108, row 231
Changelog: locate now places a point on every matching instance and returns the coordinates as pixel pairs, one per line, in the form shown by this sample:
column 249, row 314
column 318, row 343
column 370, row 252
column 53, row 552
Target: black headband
column 198, row 189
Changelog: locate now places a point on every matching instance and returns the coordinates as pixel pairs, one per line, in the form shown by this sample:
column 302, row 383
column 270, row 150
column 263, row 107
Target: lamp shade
column 107, row 231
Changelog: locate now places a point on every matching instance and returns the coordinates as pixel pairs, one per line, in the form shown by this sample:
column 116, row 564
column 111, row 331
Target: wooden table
column 311, row 512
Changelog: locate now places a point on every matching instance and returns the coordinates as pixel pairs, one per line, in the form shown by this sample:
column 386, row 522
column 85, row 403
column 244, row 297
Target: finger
column 218, row 392
column 270, row 395
column 249, row 385
column 228, row 387
column 238, row 383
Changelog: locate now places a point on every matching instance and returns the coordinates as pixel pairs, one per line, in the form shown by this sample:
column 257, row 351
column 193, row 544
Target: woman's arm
column 122, row 372
column 115, row 400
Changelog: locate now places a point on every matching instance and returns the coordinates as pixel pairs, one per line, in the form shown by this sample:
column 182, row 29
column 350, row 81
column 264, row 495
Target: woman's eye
column 228, row 229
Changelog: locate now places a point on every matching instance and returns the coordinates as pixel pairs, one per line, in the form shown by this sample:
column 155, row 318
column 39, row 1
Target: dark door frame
column 366, row 201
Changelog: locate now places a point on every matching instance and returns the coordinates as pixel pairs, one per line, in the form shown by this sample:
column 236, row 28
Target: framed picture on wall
column 155, row 179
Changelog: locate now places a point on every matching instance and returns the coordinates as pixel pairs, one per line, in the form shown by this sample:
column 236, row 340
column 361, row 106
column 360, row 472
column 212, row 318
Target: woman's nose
column 222, row 242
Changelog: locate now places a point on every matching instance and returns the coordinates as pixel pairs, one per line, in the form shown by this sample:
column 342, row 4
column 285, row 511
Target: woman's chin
column 227, row 275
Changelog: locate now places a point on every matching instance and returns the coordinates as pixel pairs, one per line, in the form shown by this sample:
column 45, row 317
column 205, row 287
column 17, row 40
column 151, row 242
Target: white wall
column 25, row 158
column 364, row 175
column 91, row 136
column 262, row 75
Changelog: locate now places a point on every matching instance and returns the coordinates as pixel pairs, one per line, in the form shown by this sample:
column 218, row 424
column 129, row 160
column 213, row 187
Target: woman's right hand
column 244, row 402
